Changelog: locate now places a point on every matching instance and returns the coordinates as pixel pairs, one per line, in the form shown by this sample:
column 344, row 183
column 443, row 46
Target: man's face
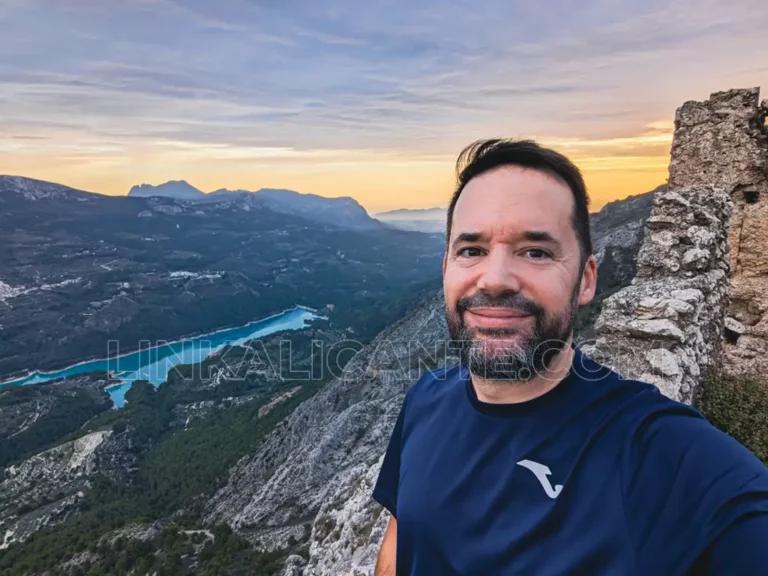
column 511, row 274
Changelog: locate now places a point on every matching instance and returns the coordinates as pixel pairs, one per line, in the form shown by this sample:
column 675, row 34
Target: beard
column 495, row 356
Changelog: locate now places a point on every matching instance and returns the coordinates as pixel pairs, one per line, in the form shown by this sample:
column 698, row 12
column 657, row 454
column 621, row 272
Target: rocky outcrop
column 46, row 489
column 724, row 141
column 320, row 462
column 349, row 528
column 666, row 327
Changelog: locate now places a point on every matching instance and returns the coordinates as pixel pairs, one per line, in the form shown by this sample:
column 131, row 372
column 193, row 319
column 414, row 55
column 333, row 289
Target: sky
column 371, row 99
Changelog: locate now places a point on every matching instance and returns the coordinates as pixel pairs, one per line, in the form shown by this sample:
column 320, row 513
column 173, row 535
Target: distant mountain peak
column 177, row 189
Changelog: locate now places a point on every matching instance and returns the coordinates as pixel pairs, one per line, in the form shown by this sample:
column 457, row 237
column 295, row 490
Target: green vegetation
column 267, row 261
column 738, row 406
column 180, row 469
column 195, row 462
column 290, row 357
column 367, row 317
column 148, row 410
column 169, row 553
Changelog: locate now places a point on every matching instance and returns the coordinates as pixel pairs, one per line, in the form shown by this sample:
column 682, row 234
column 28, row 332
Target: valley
column 78, row 269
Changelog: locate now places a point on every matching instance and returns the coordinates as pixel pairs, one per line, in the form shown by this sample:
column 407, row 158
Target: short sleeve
column 742, row 549
column 687, row 485
column 385, row 491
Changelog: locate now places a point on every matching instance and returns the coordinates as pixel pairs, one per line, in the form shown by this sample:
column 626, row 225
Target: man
column 529, row 458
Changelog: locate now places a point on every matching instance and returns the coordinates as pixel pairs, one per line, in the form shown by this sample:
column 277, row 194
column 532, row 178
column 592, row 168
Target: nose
column 499, row 273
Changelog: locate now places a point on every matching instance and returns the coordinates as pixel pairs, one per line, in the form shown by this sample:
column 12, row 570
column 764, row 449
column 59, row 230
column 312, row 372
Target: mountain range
column 345, row 211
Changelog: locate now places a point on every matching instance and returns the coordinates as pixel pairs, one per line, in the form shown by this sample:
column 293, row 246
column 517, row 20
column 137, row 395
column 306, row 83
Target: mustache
column 509, row 300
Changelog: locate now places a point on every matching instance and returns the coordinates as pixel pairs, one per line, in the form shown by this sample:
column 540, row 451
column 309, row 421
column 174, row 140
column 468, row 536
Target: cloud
column 237, row 79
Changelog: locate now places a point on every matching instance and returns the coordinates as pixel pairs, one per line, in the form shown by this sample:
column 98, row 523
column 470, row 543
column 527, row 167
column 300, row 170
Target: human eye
column 470, row 252
column 538, row 253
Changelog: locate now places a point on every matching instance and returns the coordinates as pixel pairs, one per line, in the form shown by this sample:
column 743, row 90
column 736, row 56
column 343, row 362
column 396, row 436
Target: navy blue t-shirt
column 599, row 476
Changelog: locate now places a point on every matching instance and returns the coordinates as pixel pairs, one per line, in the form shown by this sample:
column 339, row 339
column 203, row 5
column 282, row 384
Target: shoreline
column 10, row 380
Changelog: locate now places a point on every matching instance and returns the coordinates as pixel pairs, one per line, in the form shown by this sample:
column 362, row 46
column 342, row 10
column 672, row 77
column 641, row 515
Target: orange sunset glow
column 375, row 107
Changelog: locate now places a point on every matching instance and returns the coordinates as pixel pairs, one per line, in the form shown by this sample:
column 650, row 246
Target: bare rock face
column 666, row 328
column 724, row 141
column 46, row 489
column 349, row 527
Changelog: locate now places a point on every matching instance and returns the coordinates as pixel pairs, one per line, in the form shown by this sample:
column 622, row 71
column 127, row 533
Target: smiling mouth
column 496, row 317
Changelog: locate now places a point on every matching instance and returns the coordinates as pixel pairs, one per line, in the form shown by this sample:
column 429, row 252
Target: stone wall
column 667, row 326
column 700, row 297
column 724, row 141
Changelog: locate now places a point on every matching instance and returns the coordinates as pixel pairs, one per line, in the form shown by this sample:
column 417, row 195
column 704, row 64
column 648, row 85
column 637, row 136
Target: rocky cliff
column 47, row 488
column 617, row 233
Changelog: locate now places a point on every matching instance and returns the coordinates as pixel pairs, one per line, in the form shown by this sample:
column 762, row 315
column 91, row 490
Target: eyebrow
column 466, row 237
column 532, row 235
column 541, row 236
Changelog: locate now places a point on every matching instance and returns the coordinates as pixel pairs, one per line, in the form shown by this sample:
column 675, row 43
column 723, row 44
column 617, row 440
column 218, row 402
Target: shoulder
column 674, row 461
column 659, row 428
column 666, row 430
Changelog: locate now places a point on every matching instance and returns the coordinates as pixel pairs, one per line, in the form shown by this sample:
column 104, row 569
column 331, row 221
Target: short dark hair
column 484, row 155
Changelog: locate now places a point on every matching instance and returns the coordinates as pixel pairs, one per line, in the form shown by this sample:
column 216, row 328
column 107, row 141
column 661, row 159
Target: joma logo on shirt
column 542, row 472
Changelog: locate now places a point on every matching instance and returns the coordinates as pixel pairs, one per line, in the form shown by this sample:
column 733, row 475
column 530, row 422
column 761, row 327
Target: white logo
column 542, row 472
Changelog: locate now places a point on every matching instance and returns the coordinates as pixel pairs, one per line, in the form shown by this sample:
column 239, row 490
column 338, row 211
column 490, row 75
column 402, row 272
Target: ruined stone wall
column 724, row 141
column 700, row 296
column 666, row 328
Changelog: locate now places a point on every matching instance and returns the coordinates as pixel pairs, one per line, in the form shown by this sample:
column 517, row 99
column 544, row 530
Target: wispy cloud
column 394, row 80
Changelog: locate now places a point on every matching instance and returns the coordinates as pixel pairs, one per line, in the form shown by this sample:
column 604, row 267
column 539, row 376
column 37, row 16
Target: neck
column 512, row 392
